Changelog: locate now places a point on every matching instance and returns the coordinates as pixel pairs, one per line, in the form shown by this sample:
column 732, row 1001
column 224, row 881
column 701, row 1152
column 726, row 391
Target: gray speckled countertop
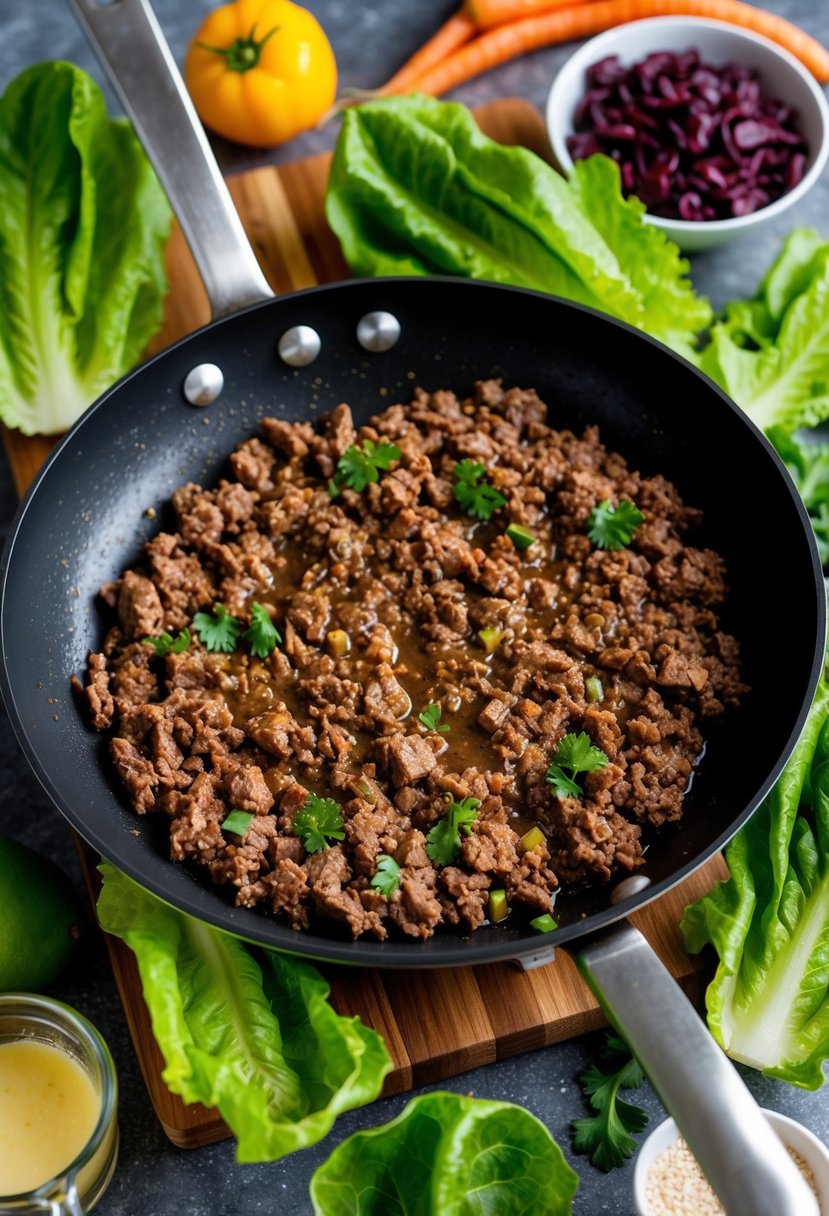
column 154, row 1178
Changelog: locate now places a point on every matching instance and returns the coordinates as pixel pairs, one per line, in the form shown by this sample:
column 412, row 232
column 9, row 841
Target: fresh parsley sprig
column 387, row 878
column 443, row 843
column 165, row 643
column 217, row 629
column 475, row 495
column 317, row 821
column 359, row 467
column 608, row 1135
column 612, row 527
column 261, row 635
column 576, row 753
column 430, row 717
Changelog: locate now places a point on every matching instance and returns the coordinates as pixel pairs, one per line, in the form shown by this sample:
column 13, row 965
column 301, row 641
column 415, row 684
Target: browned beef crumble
column 411, row 581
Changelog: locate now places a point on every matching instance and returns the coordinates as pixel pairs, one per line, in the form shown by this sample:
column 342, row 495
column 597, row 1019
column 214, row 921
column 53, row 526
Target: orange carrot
column 451, row 35
column 505, row 42
column 488, row 13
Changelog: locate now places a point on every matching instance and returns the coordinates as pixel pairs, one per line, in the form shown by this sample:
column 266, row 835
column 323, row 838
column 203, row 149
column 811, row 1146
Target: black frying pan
column 85, row 520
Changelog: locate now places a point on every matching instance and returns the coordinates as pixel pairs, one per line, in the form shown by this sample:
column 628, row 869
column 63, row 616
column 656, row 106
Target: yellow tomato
column 261, row 71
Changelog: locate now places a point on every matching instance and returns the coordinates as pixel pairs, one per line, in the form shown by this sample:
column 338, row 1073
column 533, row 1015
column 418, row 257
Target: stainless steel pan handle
column 132, row 48
column 725, row 1129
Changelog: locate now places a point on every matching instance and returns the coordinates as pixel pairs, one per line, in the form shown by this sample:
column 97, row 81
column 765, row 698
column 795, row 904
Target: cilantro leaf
column 261, row 635
column 608, row 1135
column 577, row 753
column 217, row 630
column 165, row 643
column 387, row 878
column 476, row 497
column 563, row 786
column 612, row 527
column 430, row 717
column 443, row 842
column 317, row 821
column 359, row 467
column 237, row 822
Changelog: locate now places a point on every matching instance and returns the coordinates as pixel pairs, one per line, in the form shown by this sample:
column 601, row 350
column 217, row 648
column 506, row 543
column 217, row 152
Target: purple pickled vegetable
column 693, row 141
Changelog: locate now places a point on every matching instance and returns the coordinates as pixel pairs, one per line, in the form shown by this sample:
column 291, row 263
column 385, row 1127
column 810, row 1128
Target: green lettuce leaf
column 452, row 1155
column 768, row 1004
column 808, row 463
column 83, row 227
column 416, row 188
column 253, row 1036
column 653, row 264
column 771, row 354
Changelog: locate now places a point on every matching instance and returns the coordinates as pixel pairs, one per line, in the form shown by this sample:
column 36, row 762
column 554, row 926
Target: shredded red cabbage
column 693, row 141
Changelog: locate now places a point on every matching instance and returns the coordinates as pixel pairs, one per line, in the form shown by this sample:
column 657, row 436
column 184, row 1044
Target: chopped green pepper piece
column 237, row 822
column 491, row 639
column 593, row 689
column 521, row 537
column 544, row 923
column 531, row 840
column 498, row 906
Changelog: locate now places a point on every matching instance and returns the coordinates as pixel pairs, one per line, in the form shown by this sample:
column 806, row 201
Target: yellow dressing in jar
column 49, row 1107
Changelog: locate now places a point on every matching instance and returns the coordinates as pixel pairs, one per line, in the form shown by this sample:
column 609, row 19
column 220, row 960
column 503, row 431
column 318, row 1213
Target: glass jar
column 37, row 1020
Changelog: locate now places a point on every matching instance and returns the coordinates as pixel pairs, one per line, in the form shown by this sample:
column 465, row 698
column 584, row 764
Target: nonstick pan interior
column 106, row 488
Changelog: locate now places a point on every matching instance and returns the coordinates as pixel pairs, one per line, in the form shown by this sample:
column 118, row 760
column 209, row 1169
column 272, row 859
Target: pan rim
column 460, row 951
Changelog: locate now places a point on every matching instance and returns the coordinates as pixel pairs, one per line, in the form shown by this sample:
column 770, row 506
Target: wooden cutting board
column 435, row 1024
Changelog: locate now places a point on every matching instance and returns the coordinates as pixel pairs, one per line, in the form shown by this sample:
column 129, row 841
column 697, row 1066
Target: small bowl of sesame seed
column 667, row 1181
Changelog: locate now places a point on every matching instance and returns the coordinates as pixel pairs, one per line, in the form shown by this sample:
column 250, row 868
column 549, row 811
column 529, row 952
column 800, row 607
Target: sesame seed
column 676, row 1186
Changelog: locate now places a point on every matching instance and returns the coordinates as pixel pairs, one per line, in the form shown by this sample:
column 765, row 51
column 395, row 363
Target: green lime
column 40, row 919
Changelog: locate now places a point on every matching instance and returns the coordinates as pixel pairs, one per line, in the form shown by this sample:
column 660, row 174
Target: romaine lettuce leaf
column 768, row 1004
column 771, row 354
column 83, row 226
column 452, row 1155
column 260, row 1042
column 808, row 463
column 652, row 263
column 416, row 188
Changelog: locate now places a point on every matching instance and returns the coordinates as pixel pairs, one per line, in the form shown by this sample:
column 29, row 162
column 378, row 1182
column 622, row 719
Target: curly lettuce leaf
column 416, row 188
column 771, row 354
column 670, row 308
column 253, row 1036
column 768, row 1004
column 448, row 1154
column 83, row 227
column 792, row 272
column 808, row 463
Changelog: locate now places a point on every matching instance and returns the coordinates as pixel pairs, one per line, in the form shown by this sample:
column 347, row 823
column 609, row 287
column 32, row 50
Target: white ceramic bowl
column 780, row 74
column 793, row 1134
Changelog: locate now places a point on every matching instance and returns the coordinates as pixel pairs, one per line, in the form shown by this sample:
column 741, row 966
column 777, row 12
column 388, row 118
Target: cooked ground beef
column 381, row 599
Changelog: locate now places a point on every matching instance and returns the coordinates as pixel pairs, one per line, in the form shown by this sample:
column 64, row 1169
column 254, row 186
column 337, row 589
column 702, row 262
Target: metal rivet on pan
column 299, row 346
column 629, row 887
column 203, row 384
column 378, row 331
